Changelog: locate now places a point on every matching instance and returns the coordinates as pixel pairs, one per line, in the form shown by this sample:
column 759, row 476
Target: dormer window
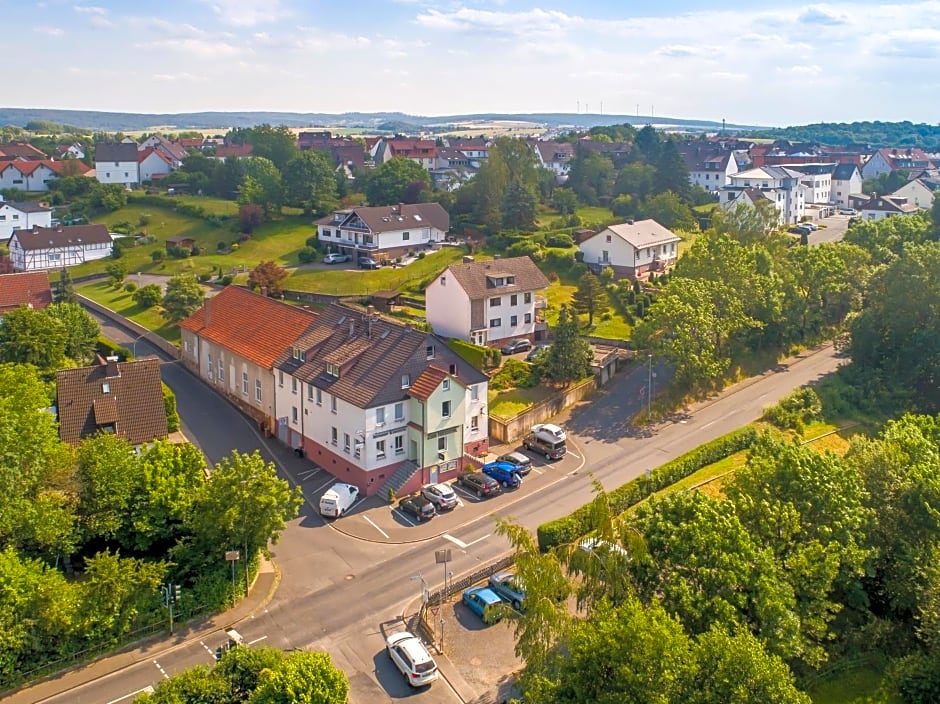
column 445, row 385
column 297, row 354
column 430, row 351
column 405, row 381
column 332, row 370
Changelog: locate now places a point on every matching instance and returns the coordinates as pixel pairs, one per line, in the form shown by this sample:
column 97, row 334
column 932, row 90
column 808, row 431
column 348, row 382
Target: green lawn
column 212, row 206
column 506, row 404
column 559, row 293
column 411, row 278
column 853, row 686
column 120, row 301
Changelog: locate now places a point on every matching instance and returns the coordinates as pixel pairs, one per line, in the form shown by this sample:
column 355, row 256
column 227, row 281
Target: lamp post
column 424, row 589
column 649, row 389
column 134, row 344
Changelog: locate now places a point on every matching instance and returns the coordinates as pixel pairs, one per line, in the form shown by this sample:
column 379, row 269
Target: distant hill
column 878, row 134
column 134, row 122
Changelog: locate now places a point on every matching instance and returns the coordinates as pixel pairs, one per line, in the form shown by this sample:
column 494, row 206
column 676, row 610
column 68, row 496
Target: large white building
column 780, row 185
column 22, row 216
column 487, row 302
column 117, row 162
column 384, row 232
column 633, row 250
column 41, row 248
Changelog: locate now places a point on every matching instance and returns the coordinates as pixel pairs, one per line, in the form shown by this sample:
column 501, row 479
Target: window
column 406, row 236
column 527, row 318
column 474, row 393
column 399, row 411
column 221, row 370
column 474, row 423
column 333, row 436
column 443, row 281
column 332, row 370
column 106, row 388
column 293, row 385
column 380, row 450
column 245, row 383
column 258, row 390
column 346, row 443
column 293, row 414
column 209, row 366
column 513, row 321
column 399, row 444
column 442, row 443
column 332, row 404
column 494, row 302
column 605, row 256
column 280, row 378
column 310, row 392
column 527, row 297
column 297, row 354
column 445, row 409
column 496, row 322
column 319, row 397
column 446, row 385
column 380, row 416
column 429, row 351
column 514, row 299
column 405, row 381
column 452, row 370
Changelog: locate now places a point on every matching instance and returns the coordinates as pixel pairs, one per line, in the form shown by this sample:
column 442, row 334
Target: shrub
column 130, row 287
column 204, row 278
column 312, row 241
column 795, row 410
column 144, row 220
column 307, row 255
column 559, row 259
column 169, row 407
column 560, row 240
column 474, row 355
column 221, row 245
column 421, row 255
column 235, row 246
column 515, row 374
column 107, row 348
column 571, row 527
column 226, row 280
column 148, row 296
column 528, row 248
column 178, row 252
column 157, row 256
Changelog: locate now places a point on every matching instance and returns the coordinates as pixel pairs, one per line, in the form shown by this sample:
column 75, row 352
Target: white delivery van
column 338, row 499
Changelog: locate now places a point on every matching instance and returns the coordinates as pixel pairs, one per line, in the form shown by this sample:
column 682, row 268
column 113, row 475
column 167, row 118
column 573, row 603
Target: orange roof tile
column 252, row 326
column 27, row 288
column 425, row 385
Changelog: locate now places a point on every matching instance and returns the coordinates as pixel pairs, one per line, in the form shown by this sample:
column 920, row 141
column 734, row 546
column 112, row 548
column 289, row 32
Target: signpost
column 232, row 556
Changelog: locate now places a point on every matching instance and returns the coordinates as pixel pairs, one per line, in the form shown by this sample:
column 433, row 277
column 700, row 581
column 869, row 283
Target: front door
column 434, row 473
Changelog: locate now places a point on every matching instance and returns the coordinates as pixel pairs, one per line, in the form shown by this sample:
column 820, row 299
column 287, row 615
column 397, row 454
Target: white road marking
column 323, row 486
column 573, row 454
column 256, row 640
column 162, row 671
column 403, row 517
column 371, row 523
column 307, row 473
column 208, row 649
column 456, row 541
column 468, row 494
column 536, row 470
column 478, row 540
column 148, row 690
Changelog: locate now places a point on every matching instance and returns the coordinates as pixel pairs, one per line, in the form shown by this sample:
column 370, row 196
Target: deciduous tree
column 569, row 357
column 267, row 277
column 81, row 330
column 183, row 296
column 387, row 183
column 29, row 336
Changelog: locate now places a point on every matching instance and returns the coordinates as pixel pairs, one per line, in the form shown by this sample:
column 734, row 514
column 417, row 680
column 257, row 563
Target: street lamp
column 134, row 344
column 649, row 389
column 424, row 589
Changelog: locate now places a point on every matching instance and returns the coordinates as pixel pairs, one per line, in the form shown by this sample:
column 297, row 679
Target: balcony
column 541, row 303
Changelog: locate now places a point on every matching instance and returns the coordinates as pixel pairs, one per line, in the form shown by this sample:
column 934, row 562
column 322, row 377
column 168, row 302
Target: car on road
column 479, row 483
column 504, row 473
column 367, row 263
column 521, row 463
column 336, row 258
column 418, row 506
column 848, row 211
column 411, row 658
column 536, row 351
column 520, row 345
column 338, row 499
column 811, row 225
column 441, row 495
column 508, row 587
column 800, row 230
column 485, row 603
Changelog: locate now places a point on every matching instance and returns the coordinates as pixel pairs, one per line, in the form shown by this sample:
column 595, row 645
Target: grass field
column 559, row 292
column 121, row 302
column 506, row 404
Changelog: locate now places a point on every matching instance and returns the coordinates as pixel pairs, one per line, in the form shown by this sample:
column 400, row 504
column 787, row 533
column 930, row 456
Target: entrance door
column 435, row 469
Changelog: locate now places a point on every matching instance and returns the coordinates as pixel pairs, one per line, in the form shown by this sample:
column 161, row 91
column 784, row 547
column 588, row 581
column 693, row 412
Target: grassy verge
column 121, row 302
column 507, row 404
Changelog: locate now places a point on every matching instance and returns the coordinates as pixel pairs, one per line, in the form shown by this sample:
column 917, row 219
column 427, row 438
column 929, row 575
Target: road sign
column 435, row 610
column 231, row 555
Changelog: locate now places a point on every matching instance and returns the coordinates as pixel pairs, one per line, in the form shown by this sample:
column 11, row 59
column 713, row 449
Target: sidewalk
column 261, row 592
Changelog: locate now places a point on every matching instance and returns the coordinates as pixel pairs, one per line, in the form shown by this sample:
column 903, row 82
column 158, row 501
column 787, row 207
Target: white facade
column 711, row 179
column 153, row 165
column 842, row 188
column 12, row 219
column 55, row 257
column 123, row 172
column 476, row 416
column 22, row 176
column 818, row 187
column 916, row 193
column 348, row 237
column 876, row 165
column 779, row 185
column 632, row 249
column 447, row 309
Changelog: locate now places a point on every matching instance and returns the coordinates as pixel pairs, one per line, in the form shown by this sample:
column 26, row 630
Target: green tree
column 590, row 297
column 81, row 330
column 591, row 176
column 569, row 358
column 106, row 473
column 251, row 216
column 227, row 178
column 635, row 179
column 302, row 678
column 276, row 144
column 519, row 206
column 649, row 144
column 309, row 182
column 388, row 182
column 196, row 685
column 30, row 336
column 565, row 201
column 262, row 185
column 65, row 289
column 117, row 272
column 183, row 297
column 241, row 669
column 668, row 210
column 268, row 278
column 148, row 296
column 672, row 173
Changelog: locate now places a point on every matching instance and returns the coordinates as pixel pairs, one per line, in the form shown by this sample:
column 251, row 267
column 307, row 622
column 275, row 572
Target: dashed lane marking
column 162, row 671
column 371, row 523
column 403, row 517
column 208, row 649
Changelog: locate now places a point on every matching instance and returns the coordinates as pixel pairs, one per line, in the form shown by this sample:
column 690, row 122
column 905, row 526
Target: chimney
column 112, row 368
column 370, row 311
column 35, row 229
column 352, row 328
column 630, row 221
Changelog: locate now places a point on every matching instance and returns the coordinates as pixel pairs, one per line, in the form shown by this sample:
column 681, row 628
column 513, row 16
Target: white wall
column 126, row 172
column 619, row 252
column 447, row 307
column 153, row 165
column 476, row 407
column 505, row 311
column 12, row 219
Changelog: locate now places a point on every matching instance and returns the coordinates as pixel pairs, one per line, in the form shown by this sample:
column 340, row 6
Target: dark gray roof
column 372, row 356
column 390, row 218
column 476, row 277
column 843, row 172
column 27, row 206
column 45, row 237
column 116, row 151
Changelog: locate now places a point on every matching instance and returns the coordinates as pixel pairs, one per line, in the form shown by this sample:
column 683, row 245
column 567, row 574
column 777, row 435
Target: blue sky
column 757, row 63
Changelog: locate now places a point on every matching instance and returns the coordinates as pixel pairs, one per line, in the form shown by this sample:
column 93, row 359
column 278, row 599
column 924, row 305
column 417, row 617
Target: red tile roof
column 28, row 288
column 252, row 326
column 428, row 382
column 237, row 150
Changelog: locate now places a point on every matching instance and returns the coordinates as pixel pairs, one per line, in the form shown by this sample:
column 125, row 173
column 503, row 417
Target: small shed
column 183, row 242
column 385, row 299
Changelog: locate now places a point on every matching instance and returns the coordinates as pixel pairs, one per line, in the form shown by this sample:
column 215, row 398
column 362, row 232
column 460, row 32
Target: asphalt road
column 339, row 593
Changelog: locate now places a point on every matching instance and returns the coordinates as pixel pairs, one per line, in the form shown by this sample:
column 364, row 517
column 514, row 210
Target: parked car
column 441, row 495
column 336, row 258
column 411, row 658
column 479, row 483
column 368, row 263
column 485, row 603
column 536, row 351
column 800, row 230
column 521, row 463
column 520, row 345
column 811, row 225
column 504, row 473
column 848, row 211
column 338, row 499
column 546, row 439
column 590, row 545
column 549, row 431
column 418, row 506
column 508, row 587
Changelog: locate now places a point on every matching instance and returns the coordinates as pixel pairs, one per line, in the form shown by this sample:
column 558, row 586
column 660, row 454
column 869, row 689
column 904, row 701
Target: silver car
column 441, row 495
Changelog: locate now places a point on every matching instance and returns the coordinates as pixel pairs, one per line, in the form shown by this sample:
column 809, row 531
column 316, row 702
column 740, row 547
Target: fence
column 509, row 430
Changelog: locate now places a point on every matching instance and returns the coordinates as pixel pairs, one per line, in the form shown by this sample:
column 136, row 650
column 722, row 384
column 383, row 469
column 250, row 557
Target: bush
column 571, row 527
column 795, row 410
column 204, row 278
column 235, row 246
column 307, row 255
column 524, row 248
column 560, row 240
column 226, row 280
column 148, row 296
column 559, row 259
column 312, row 241
column 157, row 256
column 221, row 245
column 144, row 220
column 130, row 287
column 178, row 252
column 515, row 374
column 474, row 355
column 421, row 255
column 169, row 407
column 107, row 348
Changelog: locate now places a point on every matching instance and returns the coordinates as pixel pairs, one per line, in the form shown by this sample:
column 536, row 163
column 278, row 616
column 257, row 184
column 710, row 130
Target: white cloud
column 195, row 48
column 51, row 31
column 90, row 10
column 247, row 13
column 527, row 23
column 173, row 77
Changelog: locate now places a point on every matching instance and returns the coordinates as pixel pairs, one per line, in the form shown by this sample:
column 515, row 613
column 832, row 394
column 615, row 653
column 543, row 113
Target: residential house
column 173, row 152
column 41, row 248
column 117, row 162
column 555, row 156
column 347, row 154
column 238, row 151
column 384, row 232
column 153, row 164
column 35, row 175
column 379, row 404
column 885, row 161
column 780, row 185
column 919, row 191
column 710, row 165
column 817, row 180
column 488, row 302
column 24, row 289
column 875, row 207
column 121, row 398
column 477, row 149
column 452, row 169
column 232, row 341
column 420, row 151
column 22, row 216
column 188, row 143
column 619, row 153
column 846, row 181
column 23, row 151
column 75, row 150
column 634, row 249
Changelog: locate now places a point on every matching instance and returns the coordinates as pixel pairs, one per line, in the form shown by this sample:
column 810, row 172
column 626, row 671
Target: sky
column 756, row 63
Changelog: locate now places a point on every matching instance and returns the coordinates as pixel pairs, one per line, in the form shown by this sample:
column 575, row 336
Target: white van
column 338, row 499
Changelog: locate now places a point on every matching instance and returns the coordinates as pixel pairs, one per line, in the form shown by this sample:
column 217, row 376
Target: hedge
column 471, row 354
column 571, row 527
column 106, row 348
column 169, row 407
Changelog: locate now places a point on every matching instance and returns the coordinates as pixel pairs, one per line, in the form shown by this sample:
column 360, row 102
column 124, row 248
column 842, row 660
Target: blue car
column 485, row 603
column 503, row 472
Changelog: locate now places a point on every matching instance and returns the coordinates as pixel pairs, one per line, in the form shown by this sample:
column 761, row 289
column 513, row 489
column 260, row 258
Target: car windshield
column 425, row 667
